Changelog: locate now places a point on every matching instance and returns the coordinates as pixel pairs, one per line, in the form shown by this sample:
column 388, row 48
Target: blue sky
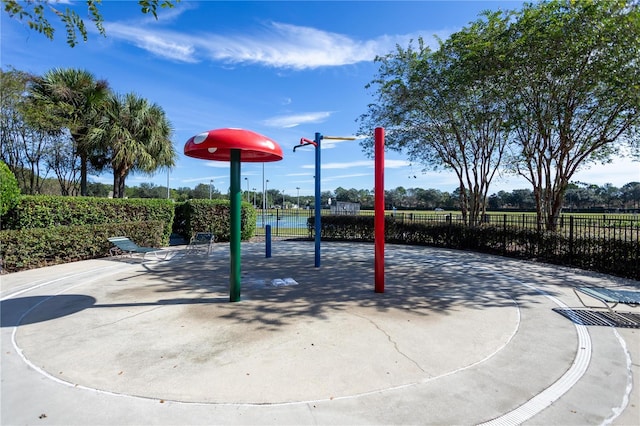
column 283, row 69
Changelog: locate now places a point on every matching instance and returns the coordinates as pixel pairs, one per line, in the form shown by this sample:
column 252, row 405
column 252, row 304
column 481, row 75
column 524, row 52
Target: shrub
column 212, row 216
column 50, row 211
column 36, row 247
column 607, row 255
column 9, row 189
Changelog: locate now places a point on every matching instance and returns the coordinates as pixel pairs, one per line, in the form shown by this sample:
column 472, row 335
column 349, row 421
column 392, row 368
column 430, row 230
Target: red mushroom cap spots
column 217, row 145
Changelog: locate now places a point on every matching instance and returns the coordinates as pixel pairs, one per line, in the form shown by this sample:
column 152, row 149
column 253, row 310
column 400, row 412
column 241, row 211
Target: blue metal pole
column 318, row 203
column 267, row 238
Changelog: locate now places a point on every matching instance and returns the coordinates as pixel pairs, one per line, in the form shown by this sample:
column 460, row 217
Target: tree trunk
column 122, row 188
column 119, row 177
column 83, row 175
column 116, row 185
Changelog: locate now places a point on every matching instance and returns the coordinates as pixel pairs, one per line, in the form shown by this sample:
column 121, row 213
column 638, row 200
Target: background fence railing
column 626, row 227
column 604, row 243
column 284, row 223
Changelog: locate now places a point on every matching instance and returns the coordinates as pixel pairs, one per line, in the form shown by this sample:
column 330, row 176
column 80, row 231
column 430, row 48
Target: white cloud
column 218, row 164
column 332, row 143
column 354, row 175
column 327, row 166
column 167, row 45
column 388, row 164
column 281, row 45
column 274, row 44
column 288, row 121
column 205, row 179
column 396, row 164
column 299, row 174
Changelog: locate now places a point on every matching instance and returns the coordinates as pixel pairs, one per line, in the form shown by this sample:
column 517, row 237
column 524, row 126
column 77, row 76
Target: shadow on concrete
column 35, row 309
column 419, row 280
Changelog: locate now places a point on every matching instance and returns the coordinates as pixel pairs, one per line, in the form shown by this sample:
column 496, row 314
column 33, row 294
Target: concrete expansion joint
column 311, row 406
column 394, row 343
column 127, row 317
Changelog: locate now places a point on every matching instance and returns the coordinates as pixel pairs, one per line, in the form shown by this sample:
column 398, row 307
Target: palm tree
column 135, row 136
column 75, row 97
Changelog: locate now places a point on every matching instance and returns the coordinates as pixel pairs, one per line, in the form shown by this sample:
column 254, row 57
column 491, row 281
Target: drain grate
column 601, row 318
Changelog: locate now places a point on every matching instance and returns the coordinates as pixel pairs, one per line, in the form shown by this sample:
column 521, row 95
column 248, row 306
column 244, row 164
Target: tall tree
column 575, row 74
column 75, row 97
column 9, row 190
column 630, row 194
column 13, row 84
column 36, row 12
column 135, row 135
column 62, row 160
column 445, row 109
column 28, row 132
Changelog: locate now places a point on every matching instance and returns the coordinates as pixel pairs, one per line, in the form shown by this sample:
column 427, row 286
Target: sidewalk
column 457, row 338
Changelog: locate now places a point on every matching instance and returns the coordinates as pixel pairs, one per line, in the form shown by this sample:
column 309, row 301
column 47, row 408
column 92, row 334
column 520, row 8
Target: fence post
column 571, row 239
column 504, row 234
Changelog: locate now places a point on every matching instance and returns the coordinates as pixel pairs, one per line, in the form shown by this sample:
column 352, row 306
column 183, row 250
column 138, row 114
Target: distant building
column 345, row 208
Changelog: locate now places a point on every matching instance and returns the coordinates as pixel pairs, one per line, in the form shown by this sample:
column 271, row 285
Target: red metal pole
column 379, row 210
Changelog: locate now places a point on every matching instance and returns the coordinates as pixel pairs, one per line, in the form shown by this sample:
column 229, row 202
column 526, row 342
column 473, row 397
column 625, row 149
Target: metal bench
column 201, row 242
column 124, row 246
column 609, row 298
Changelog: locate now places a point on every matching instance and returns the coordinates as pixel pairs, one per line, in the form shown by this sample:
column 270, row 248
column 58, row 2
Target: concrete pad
column 456, row 338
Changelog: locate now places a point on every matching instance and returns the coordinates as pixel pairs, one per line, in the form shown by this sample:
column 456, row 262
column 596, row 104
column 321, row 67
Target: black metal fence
column 604, row 243
column 284, row 222
column 293, row 223
column 620, row 227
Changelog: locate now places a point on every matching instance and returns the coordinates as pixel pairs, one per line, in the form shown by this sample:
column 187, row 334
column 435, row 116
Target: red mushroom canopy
column 217, row 145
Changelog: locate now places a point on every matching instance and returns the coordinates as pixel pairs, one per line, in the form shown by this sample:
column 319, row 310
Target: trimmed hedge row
column 36, row 247
column 47, row 230
column 52, row 211
column 610, row 256
column 212, row 216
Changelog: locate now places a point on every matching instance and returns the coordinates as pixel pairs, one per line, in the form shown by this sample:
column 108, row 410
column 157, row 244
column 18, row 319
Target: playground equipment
column 234, row 145
column 318, row 208
column 379, row 200
column 379, row 209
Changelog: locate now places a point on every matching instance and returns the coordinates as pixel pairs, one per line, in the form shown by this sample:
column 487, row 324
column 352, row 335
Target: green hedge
column 36, row 247
column 47, row 230
column 9, row 189
column 212, row 216
column 610, row 256
column 51, row 211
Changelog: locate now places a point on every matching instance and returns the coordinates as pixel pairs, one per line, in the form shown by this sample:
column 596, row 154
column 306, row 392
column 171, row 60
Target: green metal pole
column 234, row 237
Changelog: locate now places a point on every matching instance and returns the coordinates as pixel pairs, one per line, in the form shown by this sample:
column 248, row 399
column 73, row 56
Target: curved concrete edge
column 611, row 367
